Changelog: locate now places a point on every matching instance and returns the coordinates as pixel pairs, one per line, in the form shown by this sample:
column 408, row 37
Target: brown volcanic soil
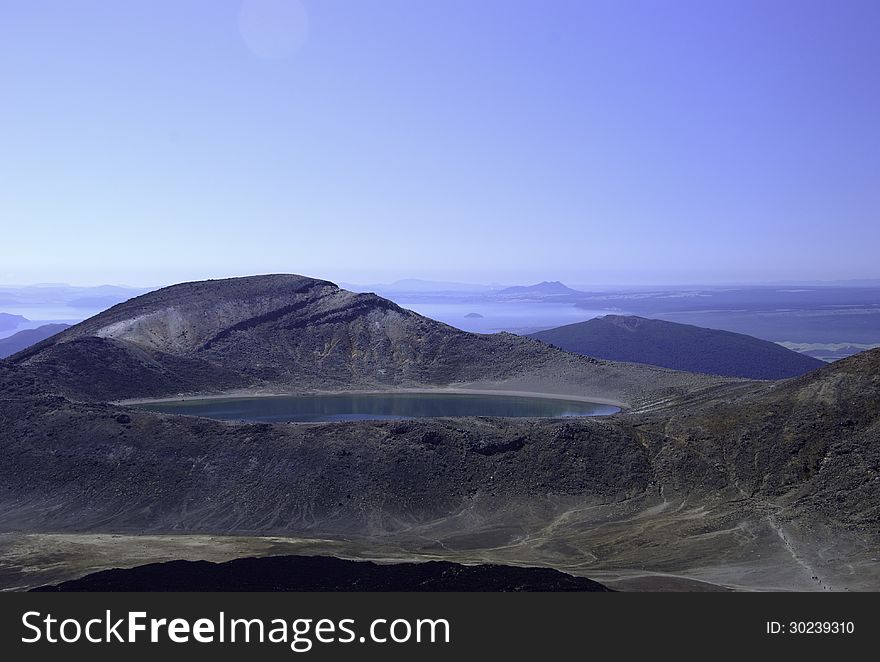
column 739, row 484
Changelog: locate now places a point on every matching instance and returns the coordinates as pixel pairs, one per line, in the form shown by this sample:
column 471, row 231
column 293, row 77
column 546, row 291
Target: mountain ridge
column 292, row 333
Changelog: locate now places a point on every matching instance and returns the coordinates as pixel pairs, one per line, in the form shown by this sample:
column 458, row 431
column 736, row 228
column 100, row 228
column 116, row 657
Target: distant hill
column 680, row 347
column 8, row 321
column 546, row 288
column 23, row 339
column 63, row 294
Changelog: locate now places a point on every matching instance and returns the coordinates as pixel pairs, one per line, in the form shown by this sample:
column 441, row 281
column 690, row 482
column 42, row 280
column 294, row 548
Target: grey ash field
column 700, row 483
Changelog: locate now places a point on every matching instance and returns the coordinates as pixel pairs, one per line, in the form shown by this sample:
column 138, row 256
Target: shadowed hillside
column 24, row 339
column 315, row 573
column 781, row 478
column 679, row 346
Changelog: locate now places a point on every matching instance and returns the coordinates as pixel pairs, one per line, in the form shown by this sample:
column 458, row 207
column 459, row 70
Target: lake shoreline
column 258, row 393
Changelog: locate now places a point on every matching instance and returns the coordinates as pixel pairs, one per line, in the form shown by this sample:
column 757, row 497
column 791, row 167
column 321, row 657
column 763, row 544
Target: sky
column 148, row 142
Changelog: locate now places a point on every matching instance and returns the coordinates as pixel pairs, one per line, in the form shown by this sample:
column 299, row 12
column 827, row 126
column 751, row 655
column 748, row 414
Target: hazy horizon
column 856, row 282
column 608, row 143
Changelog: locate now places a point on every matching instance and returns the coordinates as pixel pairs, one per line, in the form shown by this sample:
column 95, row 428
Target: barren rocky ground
column 700, row 483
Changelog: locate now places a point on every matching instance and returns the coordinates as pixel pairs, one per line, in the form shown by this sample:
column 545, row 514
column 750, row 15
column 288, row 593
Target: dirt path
column 821, row 584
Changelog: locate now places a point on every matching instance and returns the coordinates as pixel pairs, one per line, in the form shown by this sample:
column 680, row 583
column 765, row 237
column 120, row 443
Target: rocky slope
column 99, row 464
column 810, row 445
column 88, row 466
column 679, row 346
column 291, row 333
column 769, row 482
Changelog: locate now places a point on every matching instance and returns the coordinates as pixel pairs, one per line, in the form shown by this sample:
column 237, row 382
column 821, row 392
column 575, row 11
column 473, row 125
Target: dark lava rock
column 322, row 573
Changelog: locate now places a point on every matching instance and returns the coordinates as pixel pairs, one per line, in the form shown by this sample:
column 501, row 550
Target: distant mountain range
column 61, row 293
column 679, row 346
column 24, row 339
column 420, row 286
column 8, row 321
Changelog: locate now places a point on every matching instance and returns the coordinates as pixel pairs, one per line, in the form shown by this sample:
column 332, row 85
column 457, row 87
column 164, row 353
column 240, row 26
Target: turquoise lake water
column 377, row 406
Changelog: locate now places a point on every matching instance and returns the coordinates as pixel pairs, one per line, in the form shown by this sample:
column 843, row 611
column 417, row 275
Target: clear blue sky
column 147, row 142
